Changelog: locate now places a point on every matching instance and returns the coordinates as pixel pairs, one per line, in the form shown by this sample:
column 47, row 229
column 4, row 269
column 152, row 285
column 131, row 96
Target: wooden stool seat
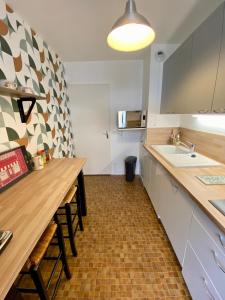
column 70, row 195
column 51, row 237
column 41, row 247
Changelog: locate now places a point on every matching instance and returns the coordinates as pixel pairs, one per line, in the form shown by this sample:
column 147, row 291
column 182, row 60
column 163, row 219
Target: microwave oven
column 131, row 119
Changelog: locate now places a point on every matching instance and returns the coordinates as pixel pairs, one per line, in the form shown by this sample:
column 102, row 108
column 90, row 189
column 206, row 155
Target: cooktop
column 219, row 204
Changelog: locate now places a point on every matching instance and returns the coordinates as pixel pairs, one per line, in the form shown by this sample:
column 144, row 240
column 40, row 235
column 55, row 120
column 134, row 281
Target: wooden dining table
column 27, row 207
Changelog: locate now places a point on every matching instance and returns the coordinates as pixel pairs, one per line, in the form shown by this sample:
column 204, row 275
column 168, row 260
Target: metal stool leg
column 14, row 294
column 62, row 248
column 70, row 229
column 39, row 284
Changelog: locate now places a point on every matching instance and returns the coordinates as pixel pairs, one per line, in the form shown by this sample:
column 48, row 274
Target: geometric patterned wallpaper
column 26, row 59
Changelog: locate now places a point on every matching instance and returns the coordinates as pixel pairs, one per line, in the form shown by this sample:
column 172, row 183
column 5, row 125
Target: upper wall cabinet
column 205, row 58
column 189, row 80
column 219, row 96
column 175, row 70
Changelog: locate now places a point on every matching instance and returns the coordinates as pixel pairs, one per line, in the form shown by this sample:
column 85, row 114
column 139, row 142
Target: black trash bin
column 130, row 165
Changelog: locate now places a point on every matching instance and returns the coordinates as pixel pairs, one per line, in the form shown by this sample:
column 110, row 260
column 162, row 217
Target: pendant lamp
column 131, row 32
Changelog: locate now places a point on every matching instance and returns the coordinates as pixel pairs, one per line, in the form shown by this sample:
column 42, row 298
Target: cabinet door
column 155, row 184
column 175, row 71
column 197, row 280
column 212, row 259
column 201, row 79
column 176, row 209
column 219, row 96
column 146, row 172
column 149, row 176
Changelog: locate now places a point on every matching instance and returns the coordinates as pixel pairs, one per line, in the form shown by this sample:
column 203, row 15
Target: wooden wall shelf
column 22, row 97
column 18, row 94
column 132, row 129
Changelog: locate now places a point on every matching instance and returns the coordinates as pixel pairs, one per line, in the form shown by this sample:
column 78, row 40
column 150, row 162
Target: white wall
column 125, row 80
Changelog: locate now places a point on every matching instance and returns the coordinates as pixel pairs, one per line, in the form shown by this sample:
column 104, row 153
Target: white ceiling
column 77, row 29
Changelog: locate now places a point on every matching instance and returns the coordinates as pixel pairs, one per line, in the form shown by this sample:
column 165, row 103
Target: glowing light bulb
column 131, row 37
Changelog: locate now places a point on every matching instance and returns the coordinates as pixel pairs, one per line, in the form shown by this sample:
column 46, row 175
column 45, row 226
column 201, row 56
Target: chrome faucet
column 188, row 145
column 175, row 137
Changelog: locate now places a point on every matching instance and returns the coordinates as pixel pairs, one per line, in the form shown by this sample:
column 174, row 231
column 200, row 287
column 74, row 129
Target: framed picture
column 13, row 167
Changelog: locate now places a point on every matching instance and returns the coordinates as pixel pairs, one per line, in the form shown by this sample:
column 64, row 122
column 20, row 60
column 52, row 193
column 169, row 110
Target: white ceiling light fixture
column 131, row 32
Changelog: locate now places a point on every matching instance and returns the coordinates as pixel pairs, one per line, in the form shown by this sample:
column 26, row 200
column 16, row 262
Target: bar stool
column 73, row 219
column 32, row 265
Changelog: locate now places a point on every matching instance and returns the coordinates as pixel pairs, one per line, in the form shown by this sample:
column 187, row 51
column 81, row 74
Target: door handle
column 175, row 187
column 106, row 134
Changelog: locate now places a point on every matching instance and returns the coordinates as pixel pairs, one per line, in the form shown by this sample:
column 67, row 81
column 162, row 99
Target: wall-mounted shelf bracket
column 22, row 97
column 25, row 116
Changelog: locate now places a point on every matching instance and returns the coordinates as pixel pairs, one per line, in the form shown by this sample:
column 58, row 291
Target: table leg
column 80, row 179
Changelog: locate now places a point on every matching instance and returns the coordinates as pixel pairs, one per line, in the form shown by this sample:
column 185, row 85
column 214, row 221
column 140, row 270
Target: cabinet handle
column 106, row 134
column 217, row 262
column 203, row 111
column 221, row 238
column 176, row 187
column 207, row 289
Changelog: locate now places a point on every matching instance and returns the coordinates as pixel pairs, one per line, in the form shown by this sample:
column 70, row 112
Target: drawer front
column 216, row 234
column 197, row 280
column 211, row 257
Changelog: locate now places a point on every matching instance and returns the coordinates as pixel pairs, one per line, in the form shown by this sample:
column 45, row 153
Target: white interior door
column 90, row 119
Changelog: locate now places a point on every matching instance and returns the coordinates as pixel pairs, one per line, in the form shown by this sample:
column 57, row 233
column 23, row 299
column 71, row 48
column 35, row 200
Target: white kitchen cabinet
column 155, row 187
column 197, row 241
column 171, row 203
column 211, row 228
column 150, row 176
column 211, row 257
column 196, row 278
column 145, row 168
column 175, row 209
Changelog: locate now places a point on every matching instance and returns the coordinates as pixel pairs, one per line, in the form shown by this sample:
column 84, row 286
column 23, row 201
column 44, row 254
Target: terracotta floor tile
column 123, row 252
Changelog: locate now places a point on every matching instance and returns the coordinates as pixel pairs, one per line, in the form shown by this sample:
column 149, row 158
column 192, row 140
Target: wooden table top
column 27, row 208
column 199, row 192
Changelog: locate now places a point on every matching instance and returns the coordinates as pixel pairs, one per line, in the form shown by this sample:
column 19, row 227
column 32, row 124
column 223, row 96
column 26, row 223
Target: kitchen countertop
column 200, row 192
column 27, row 207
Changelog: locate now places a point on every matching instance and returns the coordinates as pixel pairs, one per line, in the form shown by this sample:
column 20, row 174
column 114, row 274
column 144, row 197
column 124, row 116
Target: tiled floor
column 123, row 252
